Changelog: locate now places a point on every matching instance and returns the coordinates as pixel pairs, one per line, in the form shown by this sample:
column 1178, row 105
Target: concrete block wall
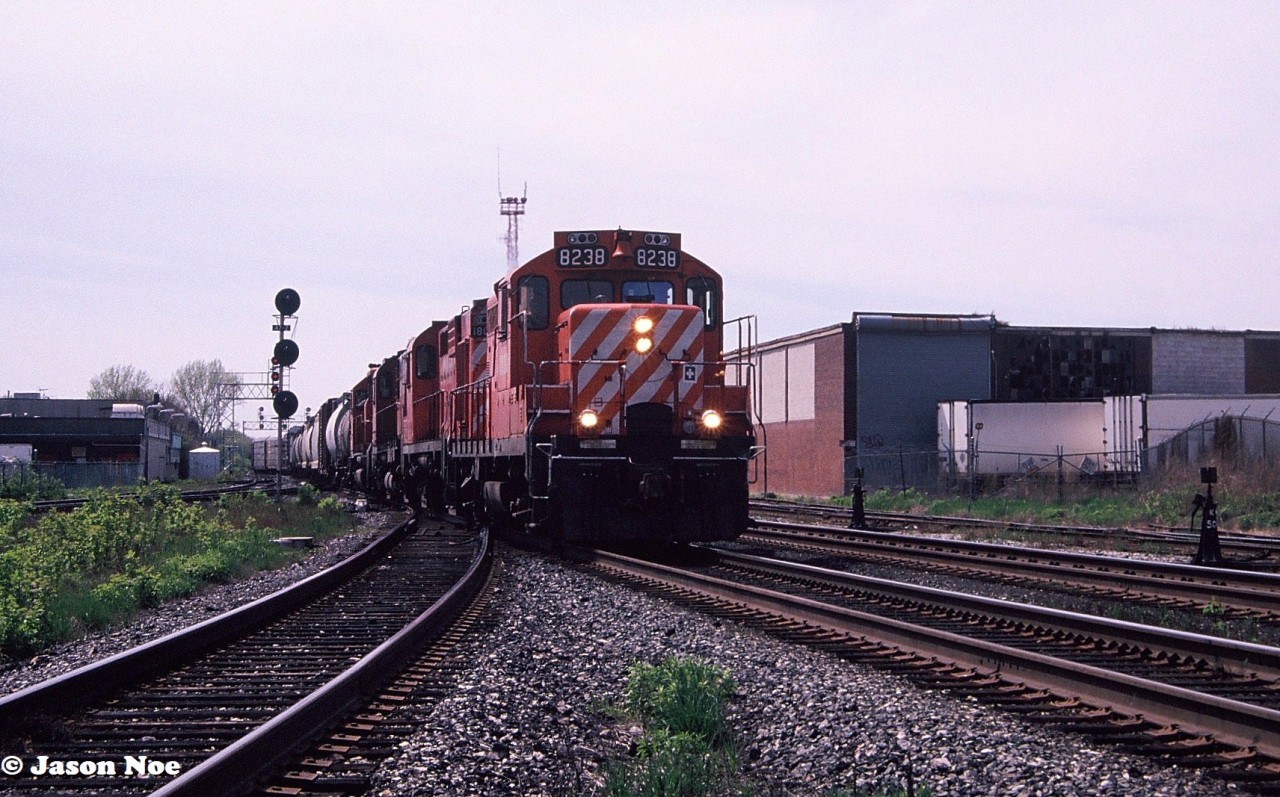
column 1197, row 362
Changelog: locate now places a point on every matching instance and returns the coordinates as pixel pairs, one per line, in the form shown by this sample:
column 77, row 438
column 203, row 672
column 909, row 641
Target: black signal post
column 283, row 356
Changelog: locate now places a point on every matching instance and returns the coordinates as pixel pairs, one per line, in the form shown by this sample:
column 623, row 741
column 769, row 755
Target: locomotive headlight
column 588, row 419
column 643, row 345
column 711, row 419
column 643, row 325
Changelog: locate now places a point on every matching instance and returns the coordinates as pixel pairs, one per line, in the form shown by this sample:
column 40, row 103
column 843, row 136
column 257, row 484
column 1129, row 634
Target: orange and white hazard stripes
column 610, row 367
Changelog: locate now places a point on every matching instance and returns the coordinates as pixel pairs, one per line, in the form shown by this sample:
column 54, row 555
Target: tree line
column 194, row 388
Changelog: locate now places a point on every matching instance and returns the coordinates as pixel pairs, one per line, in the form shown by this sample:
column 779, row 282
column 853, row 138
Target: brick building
column 864, row 394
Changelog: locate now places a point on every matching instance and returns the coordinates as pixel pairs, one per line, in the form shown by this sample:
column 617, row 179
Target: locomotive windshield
column 648, row 292
column 575, row 292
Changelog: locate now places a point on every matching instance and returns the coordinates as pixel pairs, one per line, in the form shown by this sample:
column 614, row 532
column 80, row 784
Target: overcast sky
column 165, row 168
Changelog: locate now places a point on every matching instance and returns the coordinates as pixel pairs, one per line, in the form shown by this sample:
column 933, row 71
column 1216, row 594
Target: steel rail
column 1229, row 721
column 91, row 682
column 1239, row 588
column 202, row 494
column 1231, row 655
column 1159, row 536
column 236, row 768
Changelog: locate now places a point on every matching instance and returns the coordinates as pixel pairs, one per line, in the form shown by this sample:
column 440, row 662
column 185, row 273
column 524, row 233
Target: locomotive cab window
column 532, row 295
column 648, row 292
column 575, row 292
column 424, row 362
column 504, row 311
column 386, row 384
column 701, row 292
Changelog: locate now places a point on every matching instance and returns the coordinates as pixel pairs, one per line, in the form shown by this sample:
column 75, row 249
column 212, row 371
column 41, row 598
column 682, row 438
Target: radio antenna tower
column 513, row 208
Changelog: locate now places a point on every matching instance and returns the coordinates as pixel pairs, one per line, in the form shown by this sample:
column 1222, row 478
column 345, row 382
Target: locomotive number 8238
column 586, row 398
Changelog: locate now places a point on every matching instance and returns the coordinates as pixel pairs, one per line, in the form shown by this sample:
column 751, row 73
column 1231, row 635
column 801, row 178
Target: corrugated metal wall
column 787, row 376
column 1261, row 364
column 905, row 366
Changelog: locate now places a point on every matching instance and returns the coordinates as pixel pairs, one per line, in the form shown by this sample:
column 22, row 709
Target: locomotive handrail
column 549, row 450
column 746, row 355
column 631, row 461
column 470, row 390
column 751, row 454
column 471, row 385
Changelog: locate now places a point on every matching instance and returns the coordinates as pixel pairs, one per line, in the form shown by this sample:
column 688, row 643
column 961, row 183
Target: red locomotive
column 586, row 399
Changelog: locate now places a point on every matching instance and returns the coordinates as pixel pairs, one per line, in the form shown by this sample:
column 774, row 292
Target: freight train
column 586, row 399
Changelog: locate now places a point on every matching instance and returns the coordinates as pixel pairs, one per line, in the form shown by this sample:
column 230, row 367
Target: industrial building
column 865, row 395
column 91, row 443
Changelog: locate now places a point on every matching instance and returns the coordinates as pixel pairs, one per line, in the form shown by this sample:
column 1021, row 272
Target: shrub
column 308, row 495
column 62, row 572
column 26, row 483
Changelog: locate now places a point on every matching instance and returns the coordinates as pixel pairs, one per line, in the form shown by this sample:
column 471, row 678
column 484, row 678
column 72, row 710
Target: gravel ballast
column 531, row 716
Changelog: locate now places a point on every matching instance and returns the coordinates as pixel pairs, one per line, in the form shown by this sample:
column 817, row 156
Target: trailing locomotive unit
column 585, row 400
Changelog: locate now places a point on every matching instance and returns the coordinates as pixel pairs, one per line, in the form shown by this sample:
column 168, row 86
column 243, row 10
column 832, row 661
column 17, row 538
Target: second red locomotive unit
column 586, row 399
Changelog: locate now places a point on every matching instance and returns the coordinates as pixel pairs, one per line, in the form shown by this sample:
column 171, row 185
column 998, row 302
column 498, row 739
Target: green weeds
column 64, row 572
column 687, row 748
column 1244, row 505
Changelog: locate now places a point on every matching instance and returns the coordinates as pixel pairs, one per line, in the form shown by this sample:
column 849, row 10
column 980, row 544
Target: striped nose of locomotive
column 634, row 354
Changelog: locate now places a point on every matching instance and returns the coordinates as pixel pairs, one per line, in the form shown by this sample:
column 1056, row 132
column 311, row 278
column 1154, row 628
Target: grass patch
column 687, row 748
column 62, row 573
column 1248, row 500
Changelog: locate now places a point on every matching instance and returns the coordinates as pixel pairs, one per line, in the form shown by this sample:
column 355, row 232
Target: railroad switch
column 858, row 518
column 1209, row 552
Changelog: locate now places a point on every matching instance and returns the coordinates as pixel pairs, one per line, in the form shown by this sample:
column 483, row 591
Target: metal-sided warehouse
column 950, row 402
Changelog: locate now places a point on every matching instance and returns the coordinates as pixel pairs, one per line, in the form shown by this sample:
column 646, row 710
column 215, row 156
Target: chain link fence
column 1226, row 440
column 73, row 475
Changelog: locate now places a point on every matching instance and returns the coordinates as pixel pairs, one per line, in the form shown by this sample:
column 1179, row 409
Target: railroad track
column 1201, row 701
column 200, row 494
column 1224, row 593
column 214, row 708
column 1250, row 552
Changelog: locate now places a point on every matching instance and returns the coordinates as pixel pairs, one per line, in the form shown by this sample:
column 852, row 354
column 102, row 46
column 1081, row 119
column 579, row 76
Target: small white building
column 204, row 463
